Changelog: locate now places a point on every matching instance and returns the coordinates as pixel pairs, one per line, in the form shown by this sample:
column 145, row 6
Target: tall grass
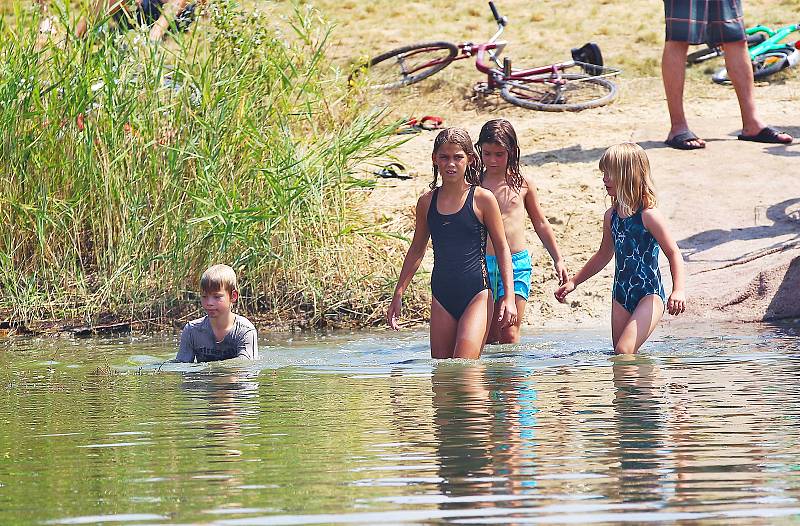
column 126, row 168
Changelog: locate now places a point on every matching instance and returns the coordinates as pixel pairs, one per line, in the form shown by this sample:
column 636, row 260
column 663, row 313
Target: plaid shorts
column 709, row 22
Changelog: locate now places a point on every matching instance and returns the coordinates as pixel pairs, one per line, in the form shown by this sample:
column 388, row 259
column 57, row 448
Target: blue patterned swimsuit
column 636, row 259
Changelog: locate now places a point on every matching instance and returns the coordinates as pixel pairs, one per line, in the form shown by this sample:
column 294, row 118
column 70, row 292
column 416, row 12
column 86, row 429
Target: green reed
column 126, row 168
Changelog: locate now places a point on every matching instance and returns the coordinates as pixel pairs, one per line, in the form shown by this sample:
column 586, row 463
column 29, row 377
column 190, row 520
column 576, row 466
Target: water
column 701, row 428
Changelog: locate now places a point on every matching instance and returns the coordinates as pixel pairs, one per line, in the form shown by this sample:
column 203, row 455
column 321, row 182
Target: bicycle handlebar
column 501, row 20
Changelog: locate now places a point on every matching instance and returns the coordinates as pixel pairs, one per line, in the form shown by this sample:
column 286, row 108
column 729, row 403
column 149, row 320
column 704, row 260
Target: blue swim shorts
column 521, row 262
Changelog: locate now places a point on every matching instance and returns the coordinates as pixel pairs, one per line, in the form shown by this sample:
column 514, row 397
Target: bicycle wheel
column 577, row 92
column 764, row 65
column 709, row 52
column 405, row 65
column 702, row 55
column 771, row 62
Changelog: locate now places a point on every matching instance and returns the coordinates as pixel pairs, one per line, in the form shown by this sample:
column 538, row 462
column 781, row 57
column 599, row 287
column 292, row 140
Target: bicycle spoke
column 548, row 92
column 567, row 92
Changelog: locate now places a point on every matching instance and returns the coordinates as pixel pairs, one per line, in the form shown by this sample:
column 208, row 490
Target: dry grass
column 629, row 33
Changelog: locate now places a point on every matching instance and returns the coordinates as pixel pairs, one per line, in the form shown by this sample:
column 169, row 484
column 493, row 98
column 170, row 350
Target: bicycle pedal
column 482, row 88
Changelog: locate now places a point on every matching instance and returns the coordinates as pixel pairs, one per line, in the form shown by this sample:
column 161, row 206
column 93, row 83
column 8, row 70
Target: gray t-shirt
column 199, row 344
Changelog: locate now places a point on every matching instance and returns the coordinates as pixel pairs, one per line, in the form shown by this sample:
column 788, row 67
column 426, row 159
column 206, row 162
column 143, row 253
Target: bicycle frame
column 773, row 41
column 502, row 73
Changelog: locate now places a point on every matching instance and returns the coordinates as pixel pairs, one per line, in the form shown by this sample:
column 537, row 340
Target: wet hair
column 218, row 277
column 460, row 138
column 501, row 133
column 629, row 168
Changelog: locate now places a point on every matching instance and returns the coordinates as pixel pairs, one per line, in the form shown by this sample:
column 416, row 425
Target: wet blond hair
column 629, row 168
column 218, row 277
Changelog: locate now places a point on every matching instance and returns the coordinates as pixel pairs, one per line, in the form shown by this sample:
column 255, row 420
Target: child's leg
column 474, row 326
column 638, row 326
column 443, row 331
column 510, row 334
column 493, row 335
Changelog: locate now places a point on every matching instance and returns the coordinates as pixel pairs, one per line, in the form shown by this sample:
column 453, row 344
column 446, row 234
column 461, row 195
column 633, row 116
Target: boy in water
column 220, row 334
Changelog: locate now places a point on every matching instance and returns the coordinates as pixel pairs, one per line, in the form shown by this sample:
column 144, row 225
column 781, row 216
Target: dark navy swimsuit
column 636, row 257
column 459, row 250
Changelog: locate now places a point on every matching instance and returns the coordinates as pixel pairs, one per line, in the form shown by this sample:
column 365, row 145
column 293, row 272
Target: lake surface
column 703, row 427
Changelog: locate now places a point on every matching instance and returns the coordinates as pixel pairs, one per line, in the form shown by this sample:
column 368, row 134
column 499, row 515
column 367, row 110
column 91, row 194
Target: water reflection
column 640, row 416
column 485, row 422
column 700, row 429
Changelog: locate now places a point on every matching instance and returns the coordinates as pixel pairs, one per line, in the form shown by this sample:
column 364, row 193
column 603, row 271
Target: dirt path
column 734, row 208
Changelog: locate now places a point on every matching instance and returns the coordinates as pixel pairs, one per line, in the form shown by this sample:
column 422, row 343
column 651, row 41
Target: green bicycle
column 768, row 53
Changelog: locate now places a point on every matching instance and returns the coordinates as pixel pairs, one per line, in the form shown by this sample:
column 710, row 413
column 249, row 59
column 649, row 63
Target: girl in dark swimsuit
column 457, row 216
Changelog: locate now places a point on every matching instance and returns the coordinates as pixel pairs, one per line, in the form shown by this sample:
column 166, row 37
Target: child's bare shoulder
column 425, row 198
column 650, row 216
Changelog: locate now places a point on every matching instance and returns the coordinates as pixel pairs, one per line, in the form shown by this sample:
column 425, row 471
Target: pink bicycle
column 548, row 88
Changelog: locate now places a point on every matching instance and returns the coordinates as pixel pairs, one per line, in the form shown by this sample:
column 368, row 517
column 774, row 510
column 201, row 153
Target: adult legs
column 630, row 330
column 673, row 74
column 740, row 71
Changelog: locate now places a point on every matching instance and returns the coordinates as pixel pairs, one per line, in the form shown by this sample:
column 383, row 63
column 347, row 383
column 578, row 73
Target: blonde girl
column 633, row 231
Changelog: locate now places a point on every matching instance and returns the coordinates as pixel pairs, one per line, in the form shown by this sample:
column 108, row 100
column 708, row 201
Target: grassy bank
column 126, row 168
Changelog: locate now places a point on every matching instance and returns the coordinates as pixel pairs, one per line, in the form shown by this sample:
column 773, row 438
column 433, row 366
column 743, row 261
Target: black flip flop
column 681, row 141
column 392, row 171
column 768, row 135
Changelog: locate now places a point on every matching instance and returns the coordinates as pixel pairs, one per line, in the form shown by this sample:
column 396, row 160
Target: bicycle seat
column 589, row 54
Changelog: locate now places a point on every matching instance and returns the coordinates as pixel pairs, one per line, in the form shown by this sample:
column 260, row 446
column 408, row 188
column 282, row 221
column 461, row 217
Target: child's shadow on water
column 785, row 217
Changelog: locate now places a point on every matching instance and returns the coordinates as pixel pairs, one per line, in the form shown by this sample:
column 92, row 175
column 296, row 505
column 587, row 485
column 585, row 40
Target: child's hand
column 676, row 303
column 394, row 312
column 508, row 311
column 563, row 290
column 561, row 272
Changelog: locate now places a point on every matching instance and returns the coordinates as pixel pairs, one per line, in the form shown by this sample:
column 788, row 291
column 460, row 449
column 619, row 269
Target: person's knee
column 509, row 334
column 676, row 47
column 625, row 344
column 624, row 348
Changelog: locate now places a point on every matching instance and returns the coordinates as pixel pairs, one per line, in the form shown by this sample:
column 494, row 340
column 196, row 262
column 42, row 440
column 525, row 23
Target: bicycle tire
column 703, row 54
column 598, row 92
column 764, row 65
column 771, row 62
column 709, row 52
column 383, row 75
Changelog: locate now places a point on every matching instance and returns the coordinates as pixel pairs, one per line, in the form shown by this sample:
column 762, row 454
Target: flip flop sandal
column 682, row 140
column 768, row 135
column 430, row 122
column 392, row 171
column 427, row 123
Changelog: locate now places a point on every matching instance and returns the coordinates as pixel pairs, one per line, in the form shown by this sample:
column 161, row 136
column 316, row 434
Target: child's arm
column 544, row 231
column 655, row 224
column 595, row 264
column 185, row 349
column 247, row 347
column 488, row 211
column 169, row 10
column 413, row 259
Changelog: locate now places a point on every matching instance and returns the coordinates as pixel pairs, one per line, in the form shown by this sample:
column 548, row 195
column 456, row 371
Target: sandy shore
column 734, row 208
